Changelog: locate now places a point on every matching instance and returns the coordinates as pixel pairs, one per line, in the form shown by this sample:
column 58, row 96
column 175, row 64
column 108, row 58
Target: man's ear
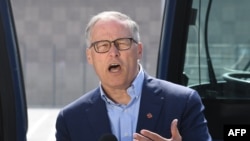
column 140, row 50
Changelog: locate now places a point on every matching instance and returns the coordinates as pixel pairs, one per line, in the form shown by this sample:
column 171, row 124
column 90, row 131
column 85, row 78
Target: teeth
column 113, row 64
column 113, row 67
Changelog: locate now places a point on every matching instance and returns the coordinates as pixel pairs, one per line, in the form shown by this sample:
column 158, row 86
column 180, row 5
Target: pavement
column 41, row 124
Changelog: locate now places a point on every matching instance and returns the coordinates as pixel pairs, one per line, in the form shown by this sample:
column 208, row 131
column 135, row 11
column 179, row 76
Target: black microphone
column 108, row 137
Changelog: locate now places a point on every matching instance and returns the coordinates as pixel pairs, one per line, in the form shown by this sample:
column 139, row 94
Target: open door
column 205, row 45
column 13, row 112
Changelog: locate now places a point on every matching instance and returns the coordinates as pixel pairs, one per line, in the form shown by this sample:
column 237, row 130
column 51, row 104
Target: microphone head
column 108, row 137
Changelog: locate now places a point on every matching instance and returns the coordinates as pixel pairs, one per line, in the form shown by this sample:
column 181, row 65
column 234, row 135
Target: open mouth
column 114, row 67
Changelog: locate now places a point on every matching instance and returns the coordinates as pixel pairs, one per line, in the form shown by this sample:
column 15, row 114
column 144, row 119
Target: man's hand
column 151, row 136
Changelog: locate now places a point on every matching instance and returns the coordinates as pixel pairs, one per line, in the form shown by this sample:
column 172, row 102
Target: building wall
column 51, row 40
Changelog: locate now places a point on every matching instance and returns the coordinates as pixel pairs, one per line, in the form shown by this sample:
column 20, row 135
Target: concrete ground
column 41, row 124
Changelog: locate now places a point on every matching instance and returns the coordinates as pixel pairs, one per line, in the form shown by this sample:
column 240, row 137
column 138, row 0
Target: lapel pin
column 149, row 115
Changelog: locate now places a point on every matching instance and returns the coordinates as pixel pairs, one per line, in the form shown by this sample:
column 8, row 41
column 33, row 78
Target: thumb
column 174, row 130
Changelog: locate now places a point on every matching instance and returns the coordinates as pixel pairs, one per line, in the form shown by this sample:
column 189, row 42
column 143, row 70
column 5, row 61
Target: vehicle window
column 217, row 62
column 52, row 45
column 227, row 41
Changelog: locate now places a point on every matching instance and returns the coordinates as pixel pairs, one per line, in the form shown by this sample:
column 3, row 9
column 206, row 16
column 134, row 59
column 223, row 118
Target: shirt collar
column 136, row 86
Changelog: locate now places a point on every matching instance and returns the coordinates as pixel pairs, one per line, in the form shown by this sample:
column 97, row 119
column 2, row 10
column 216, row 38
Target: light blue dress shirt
column 123, row 118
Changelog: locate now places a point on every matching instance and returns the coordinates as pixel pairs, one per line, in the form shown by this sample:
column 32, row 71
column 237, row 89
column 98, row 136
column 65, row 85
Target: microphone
column 108, row 137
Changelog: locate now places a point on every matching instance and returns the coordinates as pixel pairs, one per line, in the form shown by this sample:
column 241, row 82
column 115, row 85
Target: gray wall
column 51, row 41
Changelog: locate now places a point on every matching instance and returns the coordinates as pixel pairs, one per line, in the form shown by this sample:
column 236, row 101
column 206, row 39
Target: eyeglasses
column 104, row 46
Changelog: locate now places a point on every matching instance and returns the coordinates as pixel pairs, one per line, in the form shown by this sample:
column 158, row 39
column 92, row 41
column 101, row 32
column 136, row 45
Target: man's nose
column 114, row 50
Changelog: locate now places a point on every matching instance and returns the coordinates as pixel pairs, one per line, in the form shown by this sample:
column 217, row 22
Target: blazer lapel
column 150, row 106
column 97, row 115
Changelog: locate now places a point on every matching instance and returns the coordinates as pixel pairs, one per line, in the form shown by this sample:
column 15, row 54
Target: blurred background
column 52, row 45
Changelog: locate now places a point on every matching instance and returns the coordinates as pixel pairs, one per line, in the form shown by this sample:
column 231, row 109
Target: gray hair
column 116, row 15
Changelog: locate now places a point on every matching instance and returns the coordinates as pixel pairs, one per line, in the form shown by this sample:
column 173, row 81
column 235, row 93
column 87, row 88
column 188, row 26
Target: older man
column 128, row 103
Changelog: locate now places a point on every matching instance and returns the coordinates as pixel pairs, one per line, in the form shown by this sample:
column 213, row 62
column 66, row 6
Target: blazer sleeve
column 62, row 133
column 193, row 125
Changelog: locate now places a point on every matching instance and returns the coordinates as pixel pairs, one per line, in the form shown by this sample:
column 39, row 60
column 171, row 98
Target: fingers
column 139, row 137
column 174, row 131
column 147, row 135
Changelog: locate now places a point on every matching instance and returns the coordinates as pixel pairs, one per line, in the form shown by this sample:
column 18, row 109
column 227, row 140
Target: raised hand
column 146, row 135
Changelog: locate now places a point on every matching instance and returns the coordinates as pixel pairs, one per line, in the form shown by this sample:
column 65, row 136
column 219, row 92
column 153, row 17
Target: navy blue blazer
column 86, row 119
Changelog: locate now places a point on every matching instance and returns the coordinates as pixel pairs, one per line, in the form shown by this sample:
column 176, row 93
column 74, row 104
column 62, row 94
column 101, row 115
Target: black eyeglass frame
column 115, row 44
